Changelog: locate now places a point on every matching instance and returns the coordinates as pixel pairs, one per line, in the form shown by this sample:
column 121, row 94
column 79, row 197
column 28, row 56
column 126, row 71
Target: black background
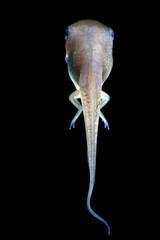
column 50, row 178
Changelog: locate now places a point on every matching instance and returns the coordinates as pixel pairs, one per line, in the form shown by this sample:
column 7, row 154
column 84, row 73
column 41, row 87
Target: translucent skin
column 89, row 57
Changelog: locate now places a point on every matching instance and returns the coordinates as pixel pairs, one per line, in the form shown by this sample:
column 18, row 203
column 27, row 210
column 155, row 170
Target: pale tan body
column 89, row 57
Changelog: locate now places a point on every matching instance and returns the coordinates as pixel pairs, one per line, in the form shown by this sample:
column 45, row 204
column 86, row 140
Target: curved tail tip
column 98, row 217
column 108, row 227
column 109, row 232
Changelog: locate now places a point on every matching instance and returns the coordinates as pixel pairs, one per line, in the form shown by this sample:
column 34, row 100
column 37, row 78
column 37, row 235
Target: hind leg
column 104, row 100
column 73, row 98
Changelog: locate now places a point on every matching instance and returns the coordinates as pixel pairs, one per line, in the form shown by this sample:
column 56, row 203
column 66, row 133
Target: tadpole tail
column 91, row 210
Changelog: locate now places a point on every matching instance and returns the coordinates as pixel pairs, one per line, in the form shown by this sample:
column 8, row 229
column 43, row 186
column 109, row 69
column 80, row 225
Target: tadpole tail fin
column 90, row 85
column 92, row 212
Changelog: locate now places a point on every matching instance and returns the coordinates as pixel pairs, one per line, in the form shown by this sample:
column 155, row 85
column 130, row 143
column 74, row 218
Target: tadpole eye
column 112, row 34
column 66, row 33
column 66, row 59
